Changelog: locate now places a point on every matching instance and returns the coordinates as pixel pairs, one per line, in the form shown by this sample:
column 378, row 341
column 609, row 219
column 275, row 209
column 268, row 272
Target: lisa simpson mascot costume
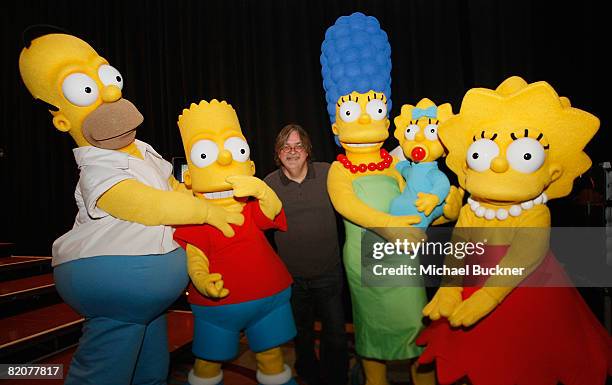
column 119, row 266
column 513, row 149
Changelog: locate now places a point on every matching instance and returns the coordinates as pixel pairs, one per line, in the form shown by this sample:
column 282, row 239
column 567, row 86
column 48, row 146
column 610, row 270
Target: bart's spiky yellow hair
column 214, row 115
column 515, row 105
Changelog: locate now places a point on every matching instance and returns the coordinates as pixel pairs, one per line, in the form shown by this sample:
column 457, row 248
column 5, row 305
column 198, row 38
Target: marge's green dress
column 387, row 320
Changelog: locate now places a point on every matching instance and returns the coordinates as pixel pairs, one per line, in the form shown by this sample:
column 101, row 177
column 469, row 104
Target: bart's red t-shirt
column 249, row 267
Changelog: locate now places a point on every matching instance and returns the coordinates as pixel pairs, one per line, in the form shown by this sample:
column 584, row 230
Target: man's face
column 293, row 154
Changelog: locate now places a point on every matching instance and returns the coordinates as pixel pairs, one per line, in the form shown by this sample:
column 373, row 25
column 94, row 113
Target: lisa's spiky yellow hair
column 212, row 116
column 517, row 105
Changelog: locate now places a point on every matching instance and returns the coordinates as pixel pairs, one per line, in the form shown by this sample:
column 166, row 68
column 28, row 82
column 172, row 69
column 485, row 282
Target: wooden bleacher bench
column 24, row 287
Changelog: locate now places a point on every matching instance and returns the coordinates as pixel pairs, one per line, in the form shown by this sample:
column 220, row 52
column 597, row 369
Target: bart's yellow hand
column 444, row 303
column 454, row 201
column 211, row 285
column 245, row 186
column 481, row 303
column 426, row 202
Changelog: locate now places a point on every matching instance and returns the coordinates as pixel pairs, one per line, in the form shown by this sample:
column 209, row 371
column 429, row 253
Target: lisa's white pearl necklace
column 501, row 214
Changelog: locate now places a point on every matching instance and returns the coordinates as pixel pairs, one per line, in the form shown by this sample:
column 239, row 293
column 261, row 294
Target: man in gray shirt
column 311, row 252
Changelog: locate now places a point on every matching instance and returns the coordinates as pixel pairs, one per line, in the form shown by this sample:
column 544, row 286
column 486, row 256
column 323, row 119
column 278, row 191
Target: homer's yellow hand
column 210, row 285
column 444, row 303
column 245, row 186
column 481, row 303
column 425, row 202
column 454, row 201
column 221, row 217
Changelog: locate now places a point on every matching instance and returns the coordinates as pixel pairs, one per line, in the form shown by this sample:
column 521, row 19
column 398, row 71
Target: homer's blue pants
column 123, row 299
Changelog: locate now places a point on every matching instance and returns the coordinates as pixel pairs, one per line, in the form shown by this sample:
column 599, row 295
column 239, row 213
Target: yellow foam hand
column 444, row 303
column 425, row 202
column 481, row 303
column 454, row 202
column 210, row 285
column 134, row 201
column 245, row 186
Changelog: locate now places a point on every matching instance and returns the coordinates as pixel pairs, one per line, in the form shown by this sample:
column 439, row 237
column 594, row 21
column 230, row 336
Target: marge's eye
column 411, row 131
column 349, row 111
column 80, row 89
column 481, row 153
column 204, row 152
column 525, row 155
column 377, row 109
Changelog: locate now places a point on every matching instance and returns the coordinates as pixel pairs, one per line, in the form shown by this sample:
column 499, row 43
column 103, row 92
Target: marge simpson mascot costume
column 356, row 68
column 238, row 284
column 118, row 266
column 426, row 186
column 513, row 149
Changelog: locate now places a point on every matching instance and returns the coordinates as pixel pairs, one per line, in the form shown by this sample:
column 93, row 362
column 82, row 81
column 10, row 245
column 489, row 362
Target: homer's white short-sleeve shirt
column 96, row 232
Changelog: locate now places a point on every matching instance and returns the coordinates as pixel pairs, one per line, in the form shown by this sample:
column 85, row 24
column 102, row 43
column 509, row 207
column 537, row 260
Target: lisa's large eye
column 204, row 152
column 481, row 153
column 377, row 109
column 238, row 147
column 109, row 76
column 80, row 89
column 431, row 131
column 525, row 155
column 411, row 131
column 349, row 111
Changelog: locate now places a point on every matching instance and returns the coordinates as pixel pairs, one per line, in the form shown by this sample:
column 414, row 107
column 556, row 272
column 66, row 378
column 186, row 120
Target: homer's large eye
column 377, row 109
column 204, row 152
column 238, row 147
column 109, row 76
column 525, row 155
column 350, row 111
column 431, row 131
column 80, row 89
column 481, row 153
column 411, row 131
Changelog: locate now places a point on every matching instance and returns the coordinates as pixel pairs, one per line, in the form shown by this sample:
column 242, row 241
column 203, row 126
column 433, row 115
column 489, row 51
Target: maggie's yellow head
column 215, row 148
column 81, row 89
column 361, row 121
column 416, row 128
column 517, row 141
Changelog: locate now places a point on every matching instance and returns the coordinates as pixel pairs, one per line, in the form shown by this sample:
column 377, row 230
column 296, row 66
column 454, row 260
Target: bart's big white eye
column 481, row 153
column 349, row 111
column 109, row 76
column 204, row 152
column 238, row 147
column 377, row 109
column 80, row 89
column 525, row 155
column 411, row 131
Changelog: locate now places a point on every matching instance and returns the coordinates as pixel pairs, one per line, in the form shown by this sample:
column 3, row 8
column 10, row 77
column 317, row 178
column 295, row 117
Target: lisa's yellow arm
column 340, row 189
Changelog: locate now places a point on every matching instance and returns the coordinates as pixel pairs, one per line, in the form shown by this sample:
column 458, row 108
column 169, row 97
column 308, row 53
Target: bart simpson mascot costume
column 119, row 266
column 514, row 148
column 356, row 67
column 416, row 129
column 240, row 283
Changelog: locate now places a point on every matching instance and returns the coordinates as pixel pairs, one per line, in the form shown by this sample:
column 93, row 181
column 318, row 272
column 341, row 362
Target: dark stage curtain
column 263, row 58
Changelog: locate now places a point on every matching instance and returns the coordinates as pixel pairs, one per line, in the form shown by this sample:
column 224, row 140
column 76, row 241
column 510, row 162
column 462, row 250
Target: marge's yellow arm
column 340, row 189
column 133, row 201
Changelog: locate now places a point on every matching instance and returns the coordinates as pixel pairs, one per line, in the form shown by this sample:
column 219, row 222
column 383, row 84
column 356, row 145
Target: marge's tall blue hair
column 355, row 56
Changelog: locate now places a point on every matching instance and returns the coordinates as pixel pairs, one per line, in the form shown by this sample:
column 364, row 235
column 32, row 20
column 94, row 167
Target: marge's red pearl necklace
column 362, row 167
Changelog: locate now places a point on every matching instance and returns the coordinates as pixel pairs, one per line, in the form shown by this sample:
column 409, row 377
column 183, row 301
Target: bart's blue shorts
column 267, row 322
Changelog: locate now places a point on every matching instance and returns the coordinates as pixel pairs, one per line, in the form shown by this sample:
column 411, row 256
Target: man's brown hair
column 283, row 135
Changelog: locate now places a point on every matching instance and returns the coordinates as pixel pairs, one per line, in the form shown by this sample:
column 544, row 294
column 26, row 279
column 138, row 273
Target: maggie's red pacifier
column 418, row 153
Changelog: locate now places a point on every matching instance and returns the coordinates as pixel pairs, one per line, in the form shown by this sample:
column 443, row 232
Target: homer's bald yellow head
column 215, row 148
column 82, row 90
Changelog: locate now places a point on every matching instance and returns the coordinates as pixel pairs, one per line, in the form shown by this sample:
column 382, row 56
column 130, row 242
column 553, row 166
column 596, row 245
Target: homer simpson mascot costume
column 240, row 283
column 119, row 266
column 356, row 67
column 513, row 149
